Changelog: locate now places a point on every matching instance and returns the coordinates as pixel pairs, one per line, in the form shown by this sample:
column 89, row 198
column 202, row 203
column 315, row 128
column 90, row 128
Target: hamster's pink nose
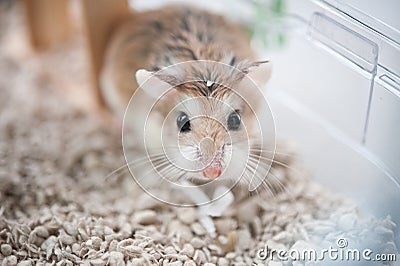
column 213, row 171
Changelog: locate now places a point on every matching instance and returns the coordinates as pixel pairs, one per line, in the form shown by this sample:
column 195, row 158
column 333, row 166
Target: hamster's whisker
column 159, row 166
column 177, row 148
column 253, row 163
column 117, row 172
column 170, row 147
column 253, row 167
column 273, row 161
column 256, row 166
column 263, row 184
column 127, row 169
column 171, row 170
column 167, row 169
column 149, row 171
column 122, row 169
column 267, row 165
column 162, row 150
column 147, row 159
column 164, row 165
column 258, row 145
column 181, row 176
column 277, row 183
column 281, row 186
column 163, row 171
column 258, row 149
column 143, row 175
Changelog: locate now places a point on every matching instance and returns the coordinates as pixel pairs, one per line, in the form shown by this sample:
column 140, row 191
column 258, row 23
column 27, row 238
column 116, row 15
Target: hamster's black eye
column 234, row 121
column 183, row 122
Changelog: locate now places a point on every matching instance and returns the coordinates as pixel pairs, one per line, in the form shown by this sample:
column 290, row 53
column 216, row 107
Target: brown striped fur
column 155, row 39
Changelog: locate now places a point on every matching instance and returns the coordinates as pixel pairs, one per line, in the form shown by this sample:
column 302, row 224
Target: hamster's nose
column 213, row 166
column 214, row 170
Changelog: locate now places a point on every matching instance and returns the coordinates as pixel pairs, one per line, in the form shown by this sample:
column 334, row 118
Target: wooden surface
column 47, row 22
column 99, row 18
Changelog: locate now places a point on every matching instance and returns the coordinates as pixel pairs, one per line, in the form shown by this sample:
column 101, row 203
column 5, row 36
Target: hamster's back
column 155, row 39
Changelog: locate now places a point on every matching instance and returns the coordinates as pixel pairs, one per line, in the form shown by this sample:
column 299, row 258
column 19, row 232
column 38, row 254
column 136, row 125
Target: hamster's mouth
column 212, row 171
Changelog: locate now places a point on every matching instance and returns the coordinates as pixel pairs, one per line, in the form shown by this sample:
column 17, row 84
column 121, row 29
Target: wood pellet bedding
column 58, row 208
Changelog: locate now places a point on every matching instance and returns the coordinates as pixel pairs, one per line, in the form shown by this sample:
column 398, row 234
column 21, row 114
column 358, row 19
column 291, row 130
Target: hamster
column 204, row 113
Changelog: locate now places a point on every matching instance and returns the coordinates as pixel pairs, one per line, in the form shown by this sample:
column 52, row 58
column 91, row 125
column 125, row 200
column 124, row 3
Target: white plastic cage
column 336, row 91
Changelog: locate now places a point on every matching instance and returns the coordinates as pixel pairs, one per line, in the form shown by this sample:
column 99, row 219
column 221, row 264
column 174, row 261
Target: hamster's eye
column 183, row 122
column 234, row 121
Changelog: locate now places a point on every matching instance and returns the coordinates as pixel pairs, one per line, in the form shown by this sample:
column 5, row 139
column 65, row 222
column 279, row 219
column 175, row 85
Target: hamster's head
column 209, row 123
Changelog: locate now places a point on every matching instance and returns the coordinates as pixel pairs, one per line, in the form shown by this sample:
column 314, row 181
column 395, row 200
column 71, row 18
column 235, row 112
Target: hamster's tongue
column 214, row 170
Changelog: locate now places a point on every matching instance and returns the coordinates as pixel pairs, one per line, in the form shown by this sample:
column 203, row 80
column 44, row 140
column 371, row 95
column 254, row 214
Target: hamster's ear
column 260, row 72
column 152, row 85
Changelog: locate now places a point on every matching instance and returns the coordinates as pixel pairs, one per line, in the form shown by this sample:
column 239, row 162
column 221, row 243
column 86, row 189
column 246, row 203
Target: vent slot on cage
column 349, row 44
